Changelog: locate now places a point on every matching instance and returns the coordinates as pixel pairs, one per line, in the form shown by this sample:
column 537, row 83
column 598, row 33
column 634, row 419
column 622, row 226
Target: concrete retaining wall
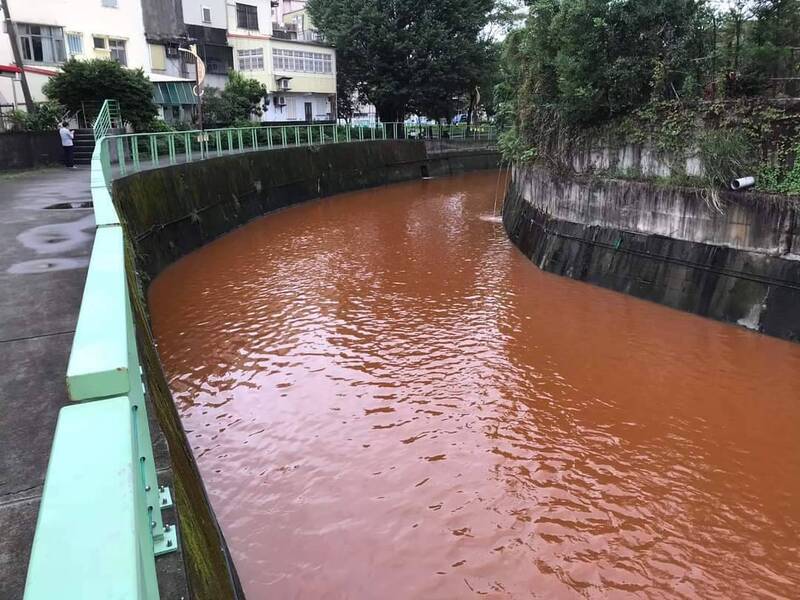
column 25, row 150
column 664, row 244
column 171, row 211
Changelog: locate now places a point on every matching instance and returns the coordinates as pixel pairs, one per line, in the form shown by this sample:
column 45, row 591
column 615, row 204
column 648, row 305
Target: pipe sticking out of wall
column 743, row 183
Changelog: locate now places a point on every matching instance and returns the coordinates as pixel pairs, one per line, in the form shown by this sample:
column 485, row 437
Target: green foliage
column 236, row 104
column 407, row 55
column 725, row 155
column 87, row 83
column 593, row 61
column 513, row 149
column 46, row 117
column 781, row 174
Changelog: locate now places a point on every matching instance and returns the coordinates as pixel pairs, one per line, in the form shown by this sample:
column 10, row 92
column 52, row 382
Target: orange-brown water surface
column 387, row 400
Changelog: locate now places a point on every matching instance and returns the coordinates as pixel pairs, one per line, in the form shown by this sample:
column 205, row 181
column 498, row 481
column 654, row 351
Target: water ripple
column 387, row 400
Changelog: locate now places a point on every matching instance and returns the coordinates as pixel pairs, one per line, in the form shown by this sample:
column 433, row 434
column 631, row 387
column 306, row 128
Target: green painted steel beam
column 86, row 544
column 98, row 362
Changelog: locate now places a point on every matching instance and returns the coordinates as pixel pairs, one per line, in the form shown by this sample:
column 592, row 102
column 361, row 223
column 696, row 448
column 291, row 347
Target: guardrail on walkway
column 137, row 151
column 100, row 524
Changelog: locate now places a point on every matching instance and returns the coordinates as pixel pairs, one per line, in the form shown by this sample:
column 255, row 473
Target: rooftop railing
column 100, row 525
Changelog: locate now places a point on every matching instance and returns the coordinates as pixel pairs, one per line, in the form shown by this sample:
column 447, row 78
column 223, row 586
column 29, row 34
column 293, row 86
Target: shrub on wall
column 46, row 117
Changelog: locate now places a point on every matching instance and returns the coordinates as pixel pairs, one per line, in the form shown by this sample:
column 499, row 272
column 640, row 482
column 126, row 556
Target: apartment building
column 50, row 31
column 207, row 26
column 299, row 74
column 296, row 67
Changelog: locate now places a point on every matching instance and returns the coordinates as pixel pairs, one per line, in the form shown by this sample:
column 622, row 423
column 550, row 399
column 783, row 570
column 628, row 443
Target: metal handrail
column 133, row 152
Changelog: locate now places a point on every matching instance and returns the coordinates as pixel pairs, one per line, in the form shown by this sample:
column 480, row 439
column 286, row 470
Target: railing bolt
column 169, row 543
column 152, row 524
column 167, row 528
column 147, row 488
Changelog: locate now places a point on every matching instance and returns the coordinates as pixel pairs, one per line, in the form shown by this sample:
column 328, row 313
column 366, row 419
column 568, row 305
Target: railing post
column 171, row 147
column 121, row 156
column 153, row 150
column 187, row 142
column 135, row 152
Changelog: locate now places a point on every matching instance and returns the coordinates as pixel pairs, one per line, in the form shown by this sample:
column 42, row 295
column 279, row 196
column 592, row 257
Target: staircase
column 84, row 146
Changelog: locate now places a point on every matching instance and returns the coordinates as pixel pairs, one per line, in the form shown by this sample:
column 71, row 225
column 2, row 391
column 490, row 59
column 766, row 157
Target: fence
column 123, row 154
column 100, row 525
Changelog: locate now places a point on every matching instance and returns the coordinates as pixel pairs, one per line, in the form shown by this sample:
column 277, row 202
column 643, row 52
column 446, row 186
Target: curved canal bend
column 387, row 400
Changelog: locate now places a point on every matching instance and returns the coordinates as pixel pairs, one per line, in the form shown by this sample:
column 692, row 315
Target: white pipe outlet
column 743, row 183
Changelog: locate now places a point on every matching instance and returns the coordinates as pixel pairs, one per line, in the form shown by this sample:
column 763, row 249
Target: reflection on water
column 387, row 400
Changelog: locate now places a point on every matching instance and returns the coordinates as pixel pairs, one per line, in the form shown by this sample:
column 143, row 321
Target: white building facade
column 297, row 69
column 299, row 75
column 50, row 31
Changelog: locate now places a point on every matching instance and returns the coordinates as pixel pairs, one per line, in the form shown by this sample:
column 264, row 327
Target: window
column 206, row 12
column 158, row 57
column 109, row 3
column 246, row 17
column 74, row 43
column 303, row 62
column 117, row 48
column 251, row 60
column 40, row 43
column 99, row 43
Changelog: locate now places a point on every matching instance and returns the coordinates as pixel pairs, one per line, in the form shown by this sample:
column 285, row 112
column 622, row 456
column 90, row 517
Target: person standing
column 67, row 136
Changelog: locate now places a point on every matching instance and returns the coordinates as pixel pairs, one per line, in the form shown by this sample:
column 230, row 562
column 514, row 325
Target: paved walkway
column 43, row 258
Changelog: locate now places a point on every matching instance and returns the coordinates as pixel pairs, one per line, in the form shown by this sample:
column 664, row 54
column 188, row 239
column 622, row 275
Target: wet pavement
column 44, row 253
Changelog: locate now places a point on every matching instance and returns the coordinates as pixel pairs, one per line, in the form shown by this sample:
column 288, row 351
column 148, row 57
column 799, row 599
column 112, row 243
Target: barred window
column 75, row 43
column 251, row 60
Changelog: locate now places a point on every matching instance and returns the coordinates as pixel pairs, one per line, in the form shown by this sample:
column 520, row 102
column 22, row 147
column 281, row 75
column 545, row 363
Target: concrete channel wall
column 665, row 244
column 171, row 211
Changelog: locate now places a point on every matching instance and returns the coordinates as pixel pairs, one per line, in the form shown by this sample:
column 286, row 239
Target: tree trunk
column 390, row 111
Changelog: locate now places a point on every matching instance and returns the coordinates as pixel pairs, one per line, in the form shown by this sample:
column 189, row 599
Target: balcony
column 291, row 32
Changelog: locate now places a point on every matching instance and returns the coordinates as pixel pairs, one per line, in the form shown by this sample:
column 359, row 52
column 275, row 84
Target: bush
column 89, row 82
column 726, row 154
column 46, row 117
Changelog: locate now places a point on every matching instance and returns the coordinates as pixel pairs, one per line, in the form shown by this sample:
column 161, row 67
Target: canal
column 388, row 400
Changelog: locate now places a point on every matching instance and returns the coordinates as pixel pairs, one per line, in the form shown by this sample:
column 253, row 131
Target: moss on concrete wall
column 664, row 244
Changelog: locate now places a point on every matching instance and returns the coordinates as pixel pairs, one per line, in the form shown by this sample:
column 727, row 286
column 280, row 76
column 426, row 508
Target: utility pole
column 12, row 35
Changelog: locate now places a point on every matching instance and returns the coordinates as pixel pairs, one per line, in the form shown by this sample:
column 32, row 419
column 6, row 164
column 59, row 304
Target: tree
column 406, row 54
column 236, row 103
column 87, row 83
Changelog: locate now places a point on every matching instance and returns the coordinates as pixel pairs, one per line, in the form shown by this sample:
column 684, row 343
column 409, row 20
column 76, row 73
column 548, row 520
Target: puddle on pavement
column 46, row 265
column 69, row 205
column 55, row 238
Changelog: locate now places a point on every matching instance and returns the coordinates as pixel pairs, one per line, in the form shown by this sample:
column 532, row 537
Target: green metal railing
column 100, row 525
column 133, row 152
column 107, row 118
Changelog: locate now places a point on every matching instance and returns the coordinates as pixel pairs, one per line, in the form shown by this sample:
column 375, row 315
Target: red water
column 387, row 400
